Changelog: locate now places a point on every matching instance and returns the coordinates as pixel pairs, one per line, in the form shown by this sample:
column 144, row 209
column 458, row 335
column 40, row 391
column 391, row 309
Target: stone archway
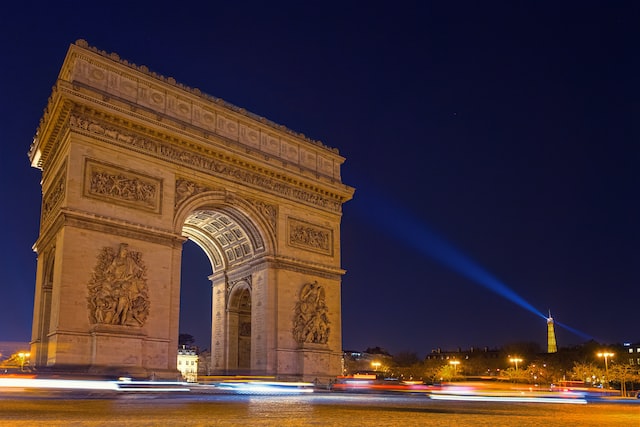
column 133, row 164
column 239, row 334
column 235, row 236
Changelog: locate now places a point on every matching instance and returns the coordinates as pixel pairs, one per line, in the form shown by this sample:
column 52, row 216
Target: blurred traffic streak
column 366, row 383
column 503, row 392
column 507, row 398
column 14, row 383
column 125, row 384
column 464, row 391
column 265, row 387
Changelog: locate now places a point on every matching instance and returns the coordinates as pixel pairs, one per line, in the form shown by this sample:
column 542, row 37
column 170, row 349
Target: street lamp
column 23, row 356
column 606, row 356
column 455, row 364
column 515, row 360
column 375, row 365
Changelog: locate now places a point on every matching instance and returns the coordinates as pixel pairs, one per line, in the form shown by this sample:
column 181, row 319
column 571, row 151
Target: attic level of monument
column 170, row 80
column 183, row 110
column 133, row 164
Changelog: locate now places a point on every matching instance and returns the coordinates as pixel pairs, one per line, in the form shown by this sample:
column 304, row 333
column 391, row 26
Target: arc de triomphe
column 133, row 164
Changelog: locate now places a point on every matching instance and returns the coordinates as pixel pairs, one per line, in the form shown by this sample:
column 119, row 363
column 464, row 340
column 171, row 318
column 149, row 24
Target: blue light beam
column 575, row 331
column 404, row 226
column 415, row 233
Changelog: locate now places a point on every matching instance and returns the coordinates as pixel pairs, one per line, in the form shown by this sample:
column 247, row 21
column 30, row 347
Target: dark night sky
column 510, row 129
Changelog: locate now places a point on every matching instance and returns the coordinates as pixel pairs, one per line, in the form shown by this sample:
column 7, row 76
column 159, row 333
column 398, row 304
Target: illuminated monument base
column 134, row 164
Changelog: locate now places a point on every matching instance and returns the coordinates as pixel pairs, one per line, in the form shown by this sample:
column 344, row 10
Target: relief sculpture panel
column 118, row 290
column 55, row 194
column 123, row 187
column 311, row 320
column 309, row 236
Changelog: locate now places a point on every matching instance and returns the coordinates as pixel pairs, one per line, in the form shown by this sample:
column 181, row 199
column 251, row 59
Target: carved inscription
column 309, row 236
column 311, row 321
column 124, row 187
column 118, row 290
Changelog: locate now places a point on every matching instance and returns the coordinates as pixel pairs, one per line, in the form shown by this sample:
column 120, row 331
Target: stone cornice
column 292, row 264
column 207, row 160
column 90, row 221
column 53, row 125
column 134, row 89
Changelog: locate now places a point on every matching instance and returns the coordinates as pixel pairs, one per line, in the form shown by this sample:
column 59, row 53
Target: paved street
column 317, row 409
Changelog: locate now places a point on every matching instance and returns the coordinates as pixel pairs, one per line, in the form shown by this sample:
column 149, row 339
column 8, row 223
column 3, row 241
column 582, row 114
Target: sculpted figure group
column 311, row 322
column 118, row 292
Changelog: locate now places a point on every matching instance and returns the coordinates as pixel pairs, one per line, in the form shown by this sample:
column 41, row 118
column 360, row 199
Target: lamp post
column 515, row 360
column 455, row 364
column 606, row 356
column 23, row 356
column 375, row 365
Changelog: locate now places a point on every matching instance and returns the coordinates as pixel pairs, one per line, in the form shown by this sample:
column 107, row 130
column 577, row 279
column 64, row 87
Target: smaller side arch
column 240, row 326
column 42, row 318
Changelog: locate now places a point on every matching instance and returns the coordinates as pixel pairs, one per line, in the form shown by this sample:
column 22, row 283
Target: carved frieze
column 206, row 163
column 311, row 317
column 186, row 188
column 55, row 193
column 113, row 184
column 118, row 290
column 269, row 211
column 312, row 237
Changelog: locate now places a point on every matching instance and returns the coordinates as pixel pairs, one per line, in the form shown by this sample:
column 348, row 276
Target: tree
column 623, row 373
column 405, row 359
column 522, row 348
column 448, row 372
column 586, row 372
column 185, row 340
column 521, row 375
column 204, row 363
column 377, row 350
column 431, row 370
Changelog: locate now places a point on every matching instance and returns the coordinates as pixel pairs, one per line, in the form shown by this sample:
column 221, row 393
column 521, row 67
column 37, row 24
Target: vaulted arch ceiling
column 227, row 237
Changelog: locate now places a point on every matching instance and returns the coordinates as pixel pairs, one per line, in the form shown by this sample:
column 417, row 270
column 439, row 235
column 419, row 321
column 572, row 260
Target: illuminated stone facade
column 187, row 361
column 133, row 164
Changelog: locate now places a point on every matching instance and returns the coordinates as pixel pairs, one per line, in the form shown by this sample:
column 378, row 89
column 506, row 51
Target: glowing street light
column 606, row 356
column 375, row 365
column 455, row 364
column 23, row 356
column 515, row 360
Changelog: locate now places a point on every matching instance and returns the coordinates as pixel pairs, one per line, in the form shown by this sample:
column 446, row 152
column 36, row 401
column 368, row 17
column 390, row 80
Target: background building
column 188, row 363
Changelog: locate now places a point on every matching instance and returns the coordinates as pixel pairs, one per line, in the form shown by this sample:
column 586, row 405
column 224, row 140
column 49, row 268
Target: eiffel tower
column 552, row 347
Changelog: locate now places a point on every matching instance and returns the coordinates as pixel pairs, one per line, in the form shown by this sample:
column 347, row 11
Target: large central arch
column 133, row 164
column 236, row 237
